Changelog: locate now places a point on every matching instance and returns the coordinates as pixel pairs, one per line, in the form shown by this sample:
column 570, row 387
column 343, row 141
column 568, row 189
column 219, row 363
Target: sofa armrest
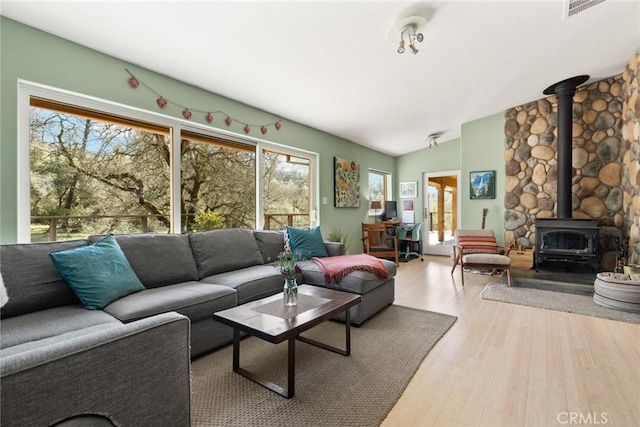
column 136, row 374
column 335, row 248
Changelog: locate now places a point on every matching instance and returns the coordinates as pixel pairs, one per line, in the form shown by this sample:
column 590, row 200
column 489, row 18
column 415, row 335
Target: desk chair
column 409, row 235
column 378, row 242
column 478, row 249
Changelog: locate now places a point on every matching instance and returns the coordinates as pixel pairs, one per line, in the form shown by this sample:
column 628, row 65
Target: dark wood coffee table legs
column 346, row 351
column 289, row 392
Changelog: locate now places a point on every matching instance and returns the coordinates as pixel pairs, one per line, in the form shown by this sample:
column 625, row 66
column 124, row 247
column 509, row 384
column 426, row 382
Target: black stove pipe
column 564, row 91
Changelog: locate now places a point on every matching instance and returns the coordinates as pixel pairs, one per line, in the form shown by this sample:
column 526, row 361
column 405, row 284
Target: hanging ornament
column 134, row 82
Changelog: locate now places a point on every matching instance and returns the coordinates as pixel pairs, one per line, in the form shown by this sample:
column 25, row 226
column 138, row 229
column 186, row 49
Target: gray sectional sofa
column 130, row 361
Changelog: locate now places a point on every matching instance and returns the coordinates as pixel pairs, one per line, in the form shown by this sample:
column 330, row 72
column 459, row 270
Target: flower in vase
column 287, row 263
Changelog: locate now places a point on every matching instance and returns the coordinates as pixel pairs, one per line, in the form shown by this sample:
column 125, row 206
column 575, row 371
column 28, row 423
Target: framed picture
column 408, row 189
column 482, row 185
column 346, row 175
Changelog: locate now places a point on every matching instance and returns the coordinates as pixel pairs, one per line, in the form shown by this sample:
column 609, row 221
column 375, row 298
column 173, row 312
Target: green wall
column 483, row 149
column 410, row 167
column 39, row 57
column 480, row 147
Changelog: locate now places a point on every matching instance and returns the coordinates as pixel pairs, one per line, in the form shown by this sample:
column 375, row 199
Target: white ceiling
column 331, row 64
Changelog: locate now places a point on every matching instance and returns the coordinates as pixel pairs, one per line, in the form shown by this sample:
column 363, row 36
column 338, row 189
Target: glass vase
column 290, row 291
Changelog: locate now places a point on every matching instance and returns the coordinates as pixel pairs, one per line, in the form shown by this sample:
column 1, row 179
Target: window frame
column 28, row 89
column 386, row 189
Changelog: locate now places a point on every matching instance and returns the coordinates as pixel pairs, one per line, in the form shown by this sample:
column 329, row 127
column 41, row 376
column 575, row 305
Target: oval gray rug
column 558, row 301
column 331, row 390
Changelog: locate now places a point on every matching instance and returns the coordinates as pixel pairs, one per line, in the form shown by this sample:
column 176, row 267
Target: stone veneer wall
column 598, row 151
column 631, row 158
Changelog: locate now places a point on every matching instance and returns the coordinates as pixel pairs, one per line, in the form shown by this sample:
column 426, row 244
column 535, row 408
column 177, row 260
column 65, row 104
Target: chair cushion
column 307, row 241
column 98, row 274
column 478, row 244
column 493, row 259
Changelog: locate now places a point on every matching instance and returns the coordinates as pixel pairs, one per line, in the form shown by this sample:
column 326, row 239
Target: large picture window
column 218, row 183
column 91, row 173
column 287, row 181
column 91, row 167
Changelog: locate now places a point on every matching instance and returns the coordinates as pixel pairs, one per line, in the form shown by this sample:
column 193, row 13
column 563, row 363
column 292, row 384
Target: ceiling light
column 401, row 47
column 433, row 139
column 409, row 31
column 409, row 28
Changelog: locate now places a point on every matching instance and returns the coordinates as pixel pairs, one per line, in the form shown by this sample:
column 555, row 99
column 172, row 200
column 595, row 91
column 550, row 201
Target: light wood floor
column 508, row 365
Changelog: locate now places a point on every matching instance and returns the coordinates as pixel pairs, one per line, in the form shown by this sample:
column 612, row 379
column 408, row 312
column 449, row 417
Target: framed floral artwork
column 346, row 183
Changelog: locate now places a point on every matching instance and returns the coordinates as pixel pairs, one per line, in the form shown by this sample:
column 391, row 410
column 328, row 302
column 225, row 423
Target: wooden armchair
column 478, row 249
column 378, row 242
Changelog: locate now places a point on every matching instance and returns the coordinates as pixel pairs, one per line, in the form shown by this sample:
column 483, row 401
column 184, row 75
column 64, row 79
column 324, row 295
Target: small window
column 379, row 185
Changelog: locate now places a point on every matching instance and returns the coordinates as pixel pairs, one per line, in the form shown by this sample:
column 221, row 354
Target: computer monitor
column 390, row 209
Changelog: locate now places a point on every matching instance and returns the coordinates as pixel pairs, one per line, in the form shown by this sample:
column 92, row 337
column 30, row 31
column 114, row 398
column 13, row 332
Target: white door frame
column 437, row 249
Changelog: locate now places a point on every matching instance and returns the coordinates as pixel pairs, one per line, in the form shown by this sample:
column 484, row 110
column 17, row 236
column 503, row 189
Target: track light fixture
column 433, row 139
column 412, row 37
column 401, row 47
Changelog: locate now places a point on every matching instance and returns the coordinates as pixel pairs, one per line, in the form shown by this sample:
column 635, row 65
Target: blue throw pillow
column 307, row 242
column 98, row 274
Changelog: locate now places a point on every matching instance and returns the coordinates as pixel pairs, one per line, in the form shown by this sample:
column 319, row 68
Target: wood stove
column 564, row 238
column 567, row 240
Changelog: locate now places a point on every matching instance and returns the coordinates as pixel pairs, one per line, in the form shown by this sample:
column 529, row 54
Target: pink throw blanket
column 335, row 268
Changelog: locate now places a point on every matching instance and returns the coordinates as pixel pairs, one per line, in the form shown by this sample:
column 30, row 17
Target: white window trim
column 28, row 89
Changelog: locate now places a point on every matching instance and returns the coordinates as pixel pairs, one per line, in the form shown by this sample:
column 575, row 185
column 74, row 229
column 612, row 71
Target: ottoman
column 618, row 291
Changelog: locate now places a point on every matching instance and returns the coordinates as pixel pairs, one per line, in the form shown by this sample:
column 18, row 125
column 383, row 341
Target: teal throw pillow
column 307, row 242
column 98, row 274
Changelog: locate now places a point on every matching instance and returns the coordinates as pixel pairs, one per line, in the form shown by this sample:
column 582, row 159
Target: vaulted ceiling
column 333, row 65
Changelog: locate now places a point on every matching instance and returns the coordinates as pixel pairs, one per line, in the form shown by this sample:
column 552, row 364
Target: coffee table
column 272, row 321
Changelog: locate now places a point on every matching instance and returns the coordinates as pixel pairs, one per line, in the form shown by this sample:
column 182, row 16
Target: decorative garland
column 187, row 112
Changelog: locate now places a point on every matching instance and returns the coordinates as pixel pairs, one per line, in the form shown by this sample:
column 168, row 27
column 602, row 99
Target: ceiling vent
column 573, row 7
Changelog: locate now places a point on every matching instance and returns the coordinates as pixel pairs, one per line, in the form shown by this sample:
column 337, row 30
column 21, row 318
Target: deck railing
column 272, row 221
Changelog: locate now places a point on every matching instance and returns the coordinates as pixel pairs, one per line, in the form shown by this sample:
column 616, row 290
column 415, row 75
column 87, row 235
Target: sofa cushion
column 52, row 322
column 158, row 259
column 359, row 282
column 306, row 241
column 32, row 281
column 271, row 244
column 251, row 283
column 98, row 273
column 193, row 299
column 219, row 251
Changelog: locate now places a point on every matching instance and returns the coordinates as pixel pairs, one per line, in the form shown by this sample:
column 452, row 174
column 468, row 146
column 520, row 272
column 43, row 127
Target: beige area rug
column 558, row 301
column 331, row 390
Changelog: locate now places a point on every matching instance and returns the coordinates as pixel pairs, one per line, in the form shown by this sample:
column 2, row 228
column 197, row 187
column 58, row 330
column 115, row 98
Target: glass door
column 441, row 218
